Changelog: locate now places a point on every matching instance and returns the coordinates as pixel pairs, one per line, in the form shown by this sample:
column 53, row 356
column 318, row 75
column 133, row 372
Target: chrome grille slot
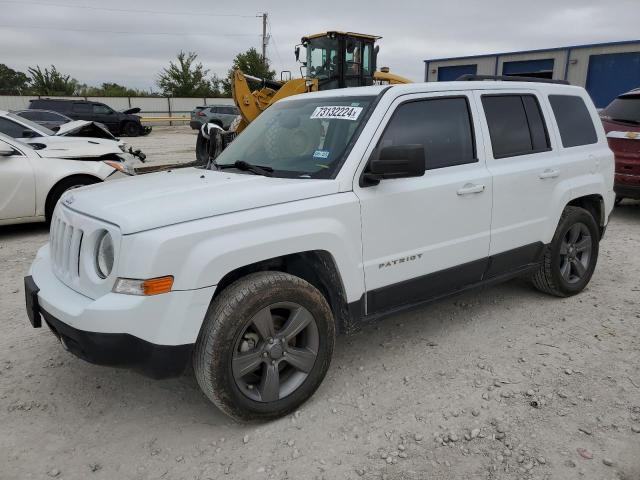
column 65, row 241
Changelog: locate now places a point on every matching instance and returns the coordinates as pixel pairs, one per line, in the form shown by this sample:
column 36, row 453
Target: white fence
column 150, row 106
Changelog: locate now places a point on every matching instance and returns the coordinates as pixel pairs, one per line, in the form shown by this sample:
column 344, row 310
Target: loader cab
column 340, row 60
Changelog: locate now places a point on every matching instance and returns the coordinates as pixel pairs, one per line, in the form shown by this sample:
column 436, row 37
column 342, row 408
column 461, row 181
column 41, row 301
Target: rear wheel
column 570, row 259
column 131, row 129
column 265, row 346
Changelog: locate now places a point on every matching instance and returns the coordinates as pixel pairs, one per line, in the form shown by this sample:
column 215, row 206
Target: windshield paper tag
column 324, row 154
column 343, row 113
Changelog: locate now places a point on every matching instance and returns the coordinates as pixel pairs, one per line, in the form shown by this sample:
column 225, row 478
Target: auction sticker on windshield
column 338, row 112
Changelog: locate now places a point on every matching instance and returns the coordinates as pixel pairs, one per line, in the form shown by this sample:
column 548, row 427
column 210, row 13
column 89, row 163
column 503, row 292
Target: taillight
column 201, row 114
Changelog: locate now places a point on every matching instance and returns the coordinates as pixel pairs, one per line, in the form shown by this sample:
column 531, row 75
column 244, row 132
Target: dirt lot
column 167, row 144
column 501, row 383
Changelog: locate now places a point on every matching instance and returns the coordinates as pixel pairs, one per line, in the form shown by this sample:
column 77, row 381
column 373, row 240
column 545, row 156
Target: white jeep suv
column 330, row 210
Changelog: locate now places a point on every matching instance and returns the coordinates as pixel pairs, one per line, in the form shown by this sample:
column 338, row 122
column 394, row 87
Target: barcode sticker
column 337, row 112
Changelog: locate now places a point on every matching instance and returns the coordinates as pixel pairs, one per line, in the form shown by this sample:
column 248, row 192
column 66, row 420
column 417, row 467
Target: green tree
column 51, row 82
column 12, row 82
column 110, row 89
column 185, row 78
column 251, row 63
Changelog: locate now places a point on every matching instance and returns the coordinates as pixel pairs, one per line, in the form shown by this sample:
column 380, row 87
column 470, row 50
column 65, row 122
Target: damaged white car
column 78, row 139
column 32, row 179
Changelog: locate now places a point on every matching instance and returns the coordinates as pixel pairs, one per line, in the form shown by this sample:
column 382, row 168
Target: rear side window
column 442, row 125
column 516, row 125
column 574, row 121
column 81, row 108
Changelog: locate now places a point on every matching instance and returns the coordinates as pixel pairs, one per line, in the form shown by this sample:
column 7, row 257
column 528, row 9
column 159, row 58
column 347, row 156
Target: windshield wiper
column 247, row 167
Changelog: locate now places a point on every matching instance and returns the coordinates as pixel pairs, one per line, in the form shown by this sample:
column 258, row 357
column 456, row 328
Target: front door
column 426, row 236
column 17, row 186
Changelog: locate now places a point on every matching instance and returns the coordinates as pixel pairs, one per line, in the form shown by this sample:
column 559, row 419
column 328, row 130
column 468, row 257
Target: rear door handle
column 549, row 173
column 471, row 188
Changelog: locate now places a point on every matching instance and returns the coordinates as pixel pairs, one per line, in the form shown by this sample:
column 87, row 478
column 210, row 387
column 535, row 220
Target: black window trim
column 474, row 158
column 544, row 124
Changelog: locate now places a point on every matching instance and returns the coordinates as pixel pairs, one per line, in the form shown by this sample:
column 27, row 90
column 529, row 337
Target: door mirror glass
column 297, row 50
column 397, row 161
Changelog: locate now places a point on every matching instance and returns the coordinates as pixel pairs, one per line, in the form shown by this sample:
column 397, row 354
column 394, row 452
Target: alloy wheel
column 275, row 352
column 575, row 253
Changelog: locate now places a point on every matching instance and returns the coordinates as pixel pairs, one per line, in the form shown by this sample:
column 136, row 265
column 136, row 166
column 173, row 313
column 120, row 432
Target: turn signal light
column 151, row 286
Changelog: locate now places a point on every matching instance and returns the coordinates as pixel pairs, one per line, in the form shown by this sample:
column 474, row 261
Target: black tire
column 61, row 187
column 131, row 129
column 565, row 270
column 230, row 317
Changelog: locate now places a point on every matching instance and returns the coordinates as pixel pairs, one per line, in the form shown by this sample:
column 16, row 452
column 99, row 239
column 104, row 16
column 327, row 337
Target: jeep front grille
column 64, row 243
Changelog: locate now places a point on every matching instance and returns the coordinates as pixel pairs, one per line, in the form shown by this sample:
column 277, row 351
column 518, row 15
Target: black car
column 119, row 123
column 46, row 118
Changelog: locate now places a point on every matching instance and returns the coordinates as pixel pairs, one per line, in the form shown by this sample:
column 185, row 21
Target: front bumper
column 153, row 335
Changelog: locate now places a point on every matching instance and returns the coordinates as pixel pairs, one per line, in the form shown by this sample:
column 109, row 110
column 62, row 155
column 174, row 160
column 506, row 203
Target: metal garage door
column 529, row 68
column 612, row 74
column 447, row 74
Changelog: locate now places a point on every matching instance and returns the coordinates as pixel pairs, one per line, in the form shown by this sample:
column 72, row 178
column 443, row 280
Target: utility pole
column 265, row 38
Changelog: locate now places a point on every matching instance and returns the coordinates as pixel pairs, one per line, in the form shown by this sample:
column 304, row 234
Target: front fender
column 200, row 253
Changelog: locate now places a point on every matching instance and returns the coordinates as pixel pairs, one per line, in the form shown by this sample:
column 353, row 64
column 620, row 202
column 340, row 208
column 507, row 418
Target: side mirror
column 29, row 134
column 400, row 161
column 297, row 50
column 6, row 150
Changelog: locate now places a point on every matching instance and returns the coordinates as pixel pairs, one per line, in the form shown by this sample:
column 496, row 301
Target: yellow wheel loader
column 333, row 60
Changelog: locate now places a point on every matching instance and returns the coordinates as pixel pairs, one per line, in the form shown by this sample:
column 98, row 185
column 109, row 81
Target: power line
column 126, row 32
column 125, row 10
column 275, row 44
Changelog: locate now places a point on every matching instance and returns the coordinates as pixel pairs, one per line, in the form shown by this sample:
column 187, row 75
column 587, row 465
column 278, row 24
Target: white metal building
column 604, row 69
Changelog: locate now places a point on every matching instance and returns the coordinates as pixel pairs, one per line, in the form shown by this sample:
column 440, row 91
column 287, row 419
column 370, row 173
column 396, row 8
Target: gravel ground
column 167, row 144
column 500, row 383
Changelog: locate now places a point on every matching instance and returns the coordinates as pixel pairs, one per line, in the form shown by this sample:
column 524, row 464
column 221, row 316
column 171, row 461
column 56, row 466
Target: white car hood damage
column 74, row 147
column 159, row 199
column 78, row 126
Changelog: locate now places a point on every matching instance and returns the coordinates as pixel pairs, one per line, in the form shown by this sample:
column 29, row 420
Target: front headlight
column 104, row 255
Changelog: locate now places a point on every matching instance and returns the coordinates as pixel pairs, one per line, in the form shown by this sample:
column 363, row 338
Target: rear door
column 426, row 236
column 526, row 167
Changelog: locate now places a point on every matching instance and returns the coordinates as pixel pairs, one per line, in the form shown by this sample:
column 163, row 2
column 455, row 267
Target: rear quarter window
column 574, row 120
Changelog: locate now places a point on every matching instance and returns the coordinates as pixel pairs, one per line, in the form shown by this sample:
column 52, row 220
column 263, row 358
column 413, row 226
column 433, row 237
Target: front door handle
column 471, row 188
column 549, row 173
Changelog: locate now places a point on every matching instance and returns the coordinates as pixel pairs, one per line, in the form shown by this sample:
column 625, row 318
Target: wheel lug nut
column 271, row 340
column 264, row 354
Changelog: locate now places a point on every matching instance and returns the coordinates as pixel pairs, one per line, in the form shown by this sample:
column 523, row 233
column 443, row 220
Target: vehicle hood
column 74, row 147
column 84, row 128
column 165, row 198
column 131, row 111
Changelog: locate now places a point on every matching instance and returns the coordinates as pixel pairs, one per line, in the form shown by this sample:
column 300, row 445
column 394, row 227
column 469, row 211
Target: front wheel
column 265, row 346
column 131, row 129
column 570, row 259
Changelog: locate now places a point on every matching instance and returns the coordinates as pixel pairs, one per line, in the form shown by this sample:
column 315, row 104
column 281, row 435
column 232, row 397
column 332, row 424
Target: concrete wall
column 151, row 106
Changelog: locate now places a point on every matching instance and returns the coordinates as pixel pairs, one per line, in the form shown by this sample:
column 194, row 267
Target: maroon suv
column 621, row 120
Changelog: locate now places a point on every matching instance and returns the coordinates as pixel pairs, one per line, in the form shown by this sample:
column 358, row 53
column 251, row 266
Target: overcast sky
column 129, row 41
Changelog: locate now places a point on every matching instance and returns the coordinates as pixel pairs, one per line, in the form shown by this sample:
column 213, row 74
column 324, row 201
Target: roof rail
column 508, row 78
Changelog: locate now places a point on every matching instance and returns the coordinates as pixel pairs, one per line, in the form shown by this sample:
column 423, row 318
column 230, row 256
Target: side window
column 574, row 121
column 81, row 108
column 99, row 109
column 516, row 125
column 52, row 117
column 11, row 128
column 366, row 59
column 31, row 115
column 442, row 125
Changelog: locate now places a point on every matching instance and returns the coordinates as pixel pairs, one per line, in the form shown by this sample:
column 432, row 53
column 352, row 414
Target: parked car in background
column 22, row 128
column 621, row 120
column 118, row 123
column 32, row 180
column 47, row 118
column 221, row 115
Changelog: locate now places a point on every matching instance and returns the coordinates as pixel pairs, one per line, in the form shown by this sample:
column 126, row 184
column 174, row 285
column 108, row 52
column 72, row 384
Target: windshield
column 32, row 125
column 625, row 109
column 300, row 138
column 322, row 58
